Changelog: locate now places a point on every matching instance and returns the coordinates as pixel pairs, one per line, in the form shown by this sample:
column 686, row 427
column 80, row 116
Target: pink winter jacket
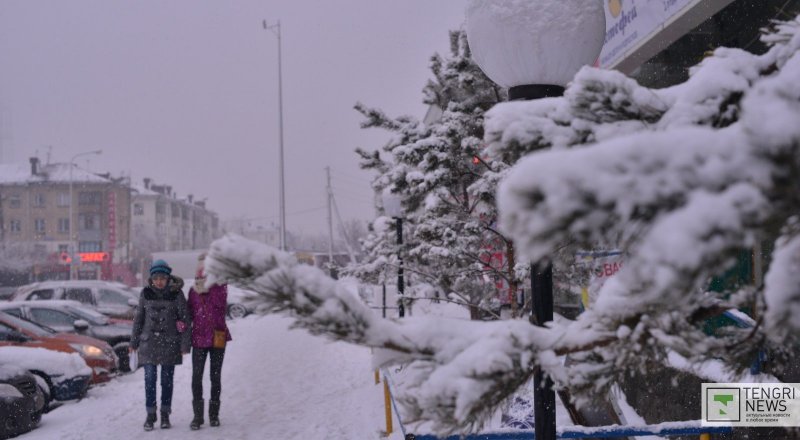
column 208, row 314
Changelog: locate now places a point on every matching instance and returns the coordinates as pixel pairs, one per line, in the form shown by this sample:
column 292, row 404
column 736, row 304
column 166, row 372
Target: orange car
column 98, row 354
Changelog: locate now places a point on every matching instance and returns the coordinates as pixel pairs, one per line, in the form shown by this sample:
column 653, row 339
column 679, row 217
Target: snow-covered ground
column 276, row 384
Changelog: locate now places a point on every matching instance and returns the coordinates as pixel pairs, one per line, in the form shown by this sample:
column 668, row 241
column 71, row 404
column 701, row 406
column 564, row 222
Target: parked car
column 108, row 298
column 21, row 401
column 62, row 376
column 7, row 292
column 74, row 317
column 97, row 354
column 237, row 307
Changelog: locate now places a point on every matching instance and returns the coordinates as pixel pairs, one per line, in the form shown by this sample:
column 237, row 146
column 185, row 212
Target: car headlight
column 7, row 390
column 88, row 350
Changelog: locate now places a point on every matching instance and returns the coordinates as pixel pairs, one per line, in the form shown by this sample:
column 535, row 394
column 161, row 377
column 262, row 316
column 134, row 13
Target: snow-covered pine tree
column 438, row 171
column 684, row 178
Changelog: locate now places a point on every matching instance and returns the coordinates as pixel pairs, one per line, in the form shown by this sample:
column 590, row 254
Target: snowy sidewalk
column 276, row 384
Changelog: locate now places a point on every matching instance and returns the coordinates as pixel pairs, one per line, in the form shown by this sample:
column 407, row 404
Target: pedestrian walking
column 160, row 337
column 208, row 306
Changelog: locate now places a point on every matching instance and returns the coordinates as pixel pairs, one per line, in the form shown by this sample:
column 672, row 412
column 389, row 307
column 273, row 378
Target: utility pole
column 276, row 29
column 329, row 191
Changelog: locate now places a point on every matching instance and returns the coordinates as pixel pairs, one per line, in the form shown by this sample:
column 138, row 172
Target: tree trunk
column 512, row 281
column 474, row 312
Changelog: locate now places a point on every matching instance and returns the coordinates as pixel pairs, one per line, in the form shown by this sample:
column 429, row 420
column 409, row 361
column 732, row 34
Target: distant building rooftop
column 55, row 172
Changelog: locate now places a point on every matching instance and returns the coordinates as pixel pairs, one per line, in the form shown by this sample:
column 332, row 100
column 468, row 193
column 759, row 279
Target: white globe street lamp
column 534, row 48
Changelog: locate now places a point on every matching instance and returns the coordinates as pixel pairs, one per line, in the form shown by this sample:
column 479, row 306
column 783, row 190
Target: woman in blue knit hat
column 160, row 337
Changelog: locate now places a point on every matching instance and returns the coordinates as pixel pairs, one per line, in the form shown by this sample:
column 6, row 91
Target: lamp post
column 72, row 253
column 534, row 48
column 393, row 208
column 276, row 29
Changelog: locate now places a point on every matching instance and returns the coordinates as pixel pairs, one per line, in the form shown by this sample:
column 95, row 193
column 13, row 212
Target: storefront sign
column 112, row 220
column 629, row 23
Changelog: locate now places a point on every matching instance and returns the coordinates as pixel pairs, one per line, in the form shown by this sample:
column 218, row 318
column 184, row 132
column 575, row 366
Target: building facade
column 254, row 229
column 57, row 216
column 162, row 222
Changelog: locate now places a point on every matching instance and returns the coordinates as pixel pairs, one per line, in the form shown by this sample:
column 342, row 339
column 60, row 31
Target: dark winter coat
column 208, row 312
column 155, row 326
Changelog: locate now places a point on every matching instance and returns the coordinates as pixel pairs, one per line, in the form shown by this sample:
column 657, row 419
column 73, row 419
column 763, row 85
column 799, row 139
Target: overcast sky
column 185, row 92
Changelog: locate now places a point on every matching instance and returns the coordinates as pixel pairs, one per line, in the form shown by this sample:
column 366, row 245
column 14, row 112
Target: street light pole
column 401, row 308
column 276, row 29
column 393, row 207
column 72, row 253
column 528, row 48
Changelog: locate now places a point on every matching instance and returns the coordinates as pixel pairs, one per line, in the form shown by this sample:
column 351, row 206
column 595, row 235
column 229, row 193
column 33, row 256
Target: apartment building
column 41, row 205
column 163, row 222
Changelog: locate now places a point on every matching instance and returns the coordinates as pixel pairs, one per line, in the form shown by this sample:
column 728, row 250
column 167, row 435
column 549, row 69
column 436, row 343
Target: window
column 52, row 318
column 63, row 199
column 14, row 201
column 14, row 312
column 15, row 226
column 63, row 225
column 9, row 334
column 90, row 198
column 89, row 222
column 112, row 297
column 176, row 210
column 79, row 294
column 90, row 246
column 161, row 208
column 138, row 209
column 39, row 225
column 41, row 294
column 39, row 200
column 63, row 248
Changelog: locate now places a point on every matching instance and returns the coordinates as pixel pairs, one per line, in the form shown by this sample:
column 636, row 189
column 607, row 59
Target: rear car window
column 88, row 314
column 13, row 312
column 7, row 333
column 79, row 294
column 41, row 294
column 52, row 318
column 108, row 296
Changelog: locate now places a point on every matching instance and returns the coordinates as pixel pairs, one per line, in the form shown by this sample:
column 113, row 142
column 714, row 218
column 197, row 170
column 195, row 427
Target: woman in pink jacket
column 208, row 306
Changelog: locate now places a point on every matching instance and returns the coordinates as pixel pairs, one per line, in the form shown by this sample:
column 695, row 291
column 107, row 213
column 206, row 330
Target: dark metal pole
column 400, row 282
column 384, row 300
column 544, row 398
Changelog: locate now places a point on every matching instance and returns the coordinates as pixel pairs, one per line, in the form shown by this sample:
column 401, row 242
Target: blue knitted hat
column 160, row 266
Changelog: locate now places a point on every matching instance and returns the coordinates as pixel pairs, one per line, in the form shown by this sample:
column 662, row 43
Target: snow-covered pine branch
column 461, row 369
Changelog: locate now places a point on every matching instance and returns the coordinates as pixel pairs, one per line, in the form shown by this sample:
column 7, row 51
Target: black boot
column 197, row 406
column 150, row 420
column 213, row 412
column 165, row 419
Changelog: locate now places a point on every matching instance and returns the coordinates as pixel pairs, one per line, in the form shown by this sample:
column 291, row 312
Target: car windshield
column 36, row 329
column 88, row 314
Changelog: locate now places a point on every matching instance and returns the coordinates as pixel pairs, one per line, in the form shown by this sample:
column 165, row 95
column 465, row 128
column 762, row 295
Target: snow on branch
column 462, row 369
column 595, row 194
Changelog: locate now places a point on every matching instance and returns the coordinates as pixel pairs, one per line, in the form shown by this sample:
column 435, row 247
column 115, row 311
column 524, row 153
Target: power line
column 351, row 177
column 305, row 211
